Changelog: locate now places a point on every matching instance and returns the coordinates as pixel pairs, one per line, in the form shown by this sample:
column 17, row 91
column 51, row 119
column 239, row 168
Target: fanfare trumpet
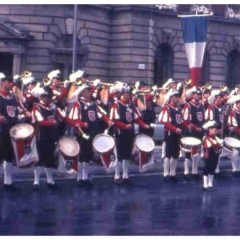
column 24, row 75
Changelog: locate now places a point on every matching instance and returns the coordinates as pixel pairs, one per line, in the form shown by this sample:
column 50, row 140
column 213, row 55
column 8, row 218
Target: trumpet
column 24, row 75
column 46, row 81
column 101, row 83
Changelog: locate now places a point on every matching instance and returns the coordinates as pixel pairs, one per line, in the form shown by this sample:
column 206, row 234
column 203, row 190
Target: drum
column 68, row 151
column 104, row 145
column 231, row 143
column 24, row 145
column 142, row 152
column 188, row 143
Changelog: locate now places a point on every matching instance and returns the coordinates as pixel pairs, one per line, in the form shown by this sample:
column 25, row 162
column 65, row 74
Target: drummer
column 215, row 112
column 45, row 116
column 233, row 125
column 124, row 114
column 171, row 117
column 147, row 110
column 84, row 117
column 193, row 120
column 10, row 107
column 212, row 147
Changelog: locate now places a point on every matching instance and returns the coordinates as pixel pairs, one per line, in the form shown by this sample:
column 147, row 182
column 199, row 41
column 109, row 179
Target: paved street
column 148, row 206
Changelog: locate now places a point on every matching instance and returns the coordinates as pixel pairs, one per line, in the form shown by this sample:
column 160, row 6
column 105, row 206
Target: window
column 163, row 63
column 233, row 69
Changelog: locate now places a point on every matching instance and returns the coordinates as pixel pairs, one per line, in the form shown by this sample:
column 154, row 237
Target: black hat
column 126, row 88
column 47, row 92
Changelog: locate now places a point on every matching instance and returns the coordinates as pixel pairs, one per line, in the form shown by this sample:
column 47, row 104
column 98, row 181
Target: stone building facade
column 116, row 42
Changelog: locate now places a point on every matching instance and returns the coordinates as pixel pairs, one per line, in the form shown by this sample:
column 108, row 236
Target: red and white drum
column 24, row 145
column 231, row 143
column 104, row 145
column 190, row 144
column 68, row 151
column 142, row 152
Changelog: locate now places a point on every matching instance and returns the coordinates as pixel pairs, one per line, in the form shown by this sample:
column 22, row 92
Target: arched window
column 233, row 69
column 163, row 64
column 205, row 69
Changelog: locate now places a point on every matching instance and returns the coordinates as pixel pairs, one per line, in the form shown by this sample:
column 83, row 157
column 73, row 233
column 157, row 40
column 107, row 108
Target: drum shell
column 108, row 156
column 25, row 149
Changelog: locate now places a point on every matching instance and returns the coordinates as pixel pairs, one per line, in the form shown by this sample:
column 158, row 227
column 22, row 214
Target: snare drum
column 104, row 145
column 142, row 150
column 68, row 152
column 231, row 143
column 24, row 145
column 188, row 143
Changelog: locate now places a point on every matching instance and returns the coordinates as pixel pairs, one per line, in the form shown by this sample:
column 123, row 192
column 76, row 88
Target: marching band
column 99, row 118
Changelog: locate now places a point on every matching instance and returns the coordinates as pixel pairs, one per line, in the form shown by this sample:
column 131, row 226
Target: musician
column 29, row 84
column 10, row 107
column 84, row 115
column 147, row 110
column 45, row 116
column 212, row 147
column 60, row 92
column 123, row 113
column 171, row 117
column 233, row 125
column 193, row 120
column 215, row 112
column 205, row 96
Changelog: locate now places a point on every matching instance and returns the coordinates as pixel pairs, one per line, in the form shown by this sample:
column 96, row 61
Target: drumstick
column 85, row 136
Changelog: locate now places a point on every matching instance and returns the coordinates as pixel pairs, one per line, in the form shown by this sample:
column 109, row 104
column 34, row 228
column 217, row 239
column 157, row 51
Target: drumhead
column 103, row 143
column 21, row 131
column 69, row 146
column 144, row 143
column 190, row 141
column 232, row 142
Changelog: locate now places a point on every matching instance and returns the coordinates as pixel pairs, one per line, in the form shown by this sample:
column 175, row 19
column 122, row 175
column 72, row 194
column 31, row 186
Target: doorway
column 6, row 63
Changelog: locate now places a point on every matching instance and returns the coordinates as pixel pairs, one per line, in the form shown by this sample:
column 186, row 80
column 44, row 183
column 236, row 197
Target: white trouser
column 195, row 163
column 173, row 166
column 7, row 169
column 187, row 164
column 117, row 170
column 37, row 173
column 49, row 175
column 166, row 167
column 163, row 149
column 205, row 181
column 85, row 170
column 79, row 174
column 125, row 165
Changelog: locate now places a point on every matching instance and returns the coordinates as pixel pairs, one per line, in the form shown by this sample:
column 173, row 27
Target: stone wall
column 117, row 38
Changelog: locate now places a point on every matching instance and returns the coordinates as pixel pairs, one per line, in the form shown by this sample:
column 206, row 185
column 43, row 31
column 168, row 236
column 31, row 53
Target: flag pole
column 74, row 38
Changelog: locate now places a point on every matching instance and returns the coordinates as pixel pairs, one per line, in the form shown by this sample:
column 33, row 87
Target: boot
column 195, row 163
column 163, row 150
column 7, row 168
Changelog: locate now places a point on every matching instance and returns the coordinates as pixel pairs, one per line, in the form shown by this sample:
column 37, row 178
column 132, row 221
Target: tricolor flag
column 195, row 35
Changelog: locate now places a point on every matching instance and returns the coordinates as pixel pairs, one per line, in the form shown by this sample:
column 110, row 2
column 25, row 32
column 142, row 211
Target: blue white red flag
column 195, row 34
